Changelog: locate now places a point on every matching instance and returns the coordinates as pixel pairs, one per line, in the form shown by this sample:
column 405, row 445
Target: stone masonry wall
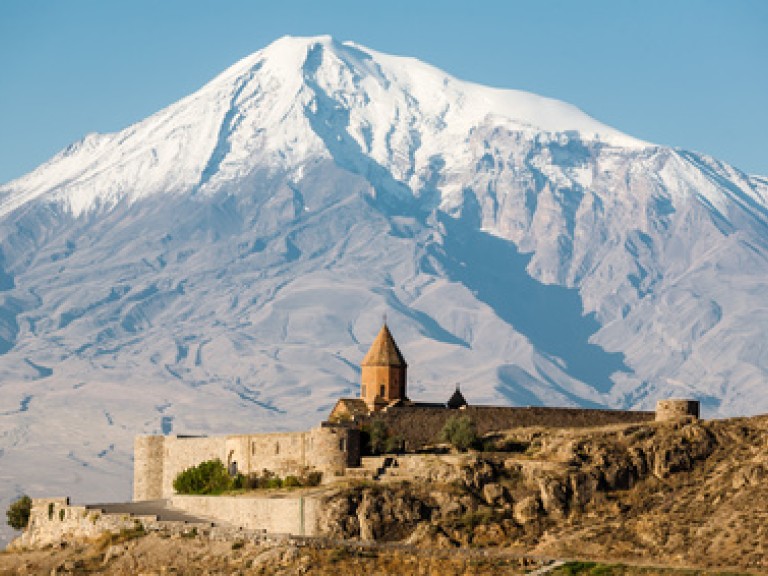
column 420, row 425
column 334, row 449
column 282, row 453
column 676, row 408
column 53, row 520
column 148, row 455
column 284, row 514
column 159, row 459
column 181, row 453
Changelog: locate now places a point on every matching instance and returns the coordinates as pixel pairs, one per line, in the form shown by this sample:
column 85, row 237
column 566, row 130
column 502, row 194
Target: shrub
column 239, row 482
column 274, row 482
column 291, row 482
column 209, row 477
column 18, row 512
column 393, row 444
column 264, row 480
column 312, row 478
column 377, row 437
column 460, row 432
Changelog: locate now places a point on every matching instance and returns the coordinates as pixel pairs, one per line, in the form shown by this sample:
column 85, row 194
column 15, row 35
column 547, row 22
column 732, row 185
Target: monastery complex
column 335, row 447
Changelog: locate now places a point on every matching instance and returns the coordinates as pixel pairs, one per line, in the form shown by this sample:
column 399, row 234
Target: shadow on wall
column 549, row 316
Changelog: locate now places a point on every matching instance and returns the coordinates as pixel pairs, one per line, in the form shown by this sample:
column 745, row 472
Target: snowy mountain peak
column 294, row 100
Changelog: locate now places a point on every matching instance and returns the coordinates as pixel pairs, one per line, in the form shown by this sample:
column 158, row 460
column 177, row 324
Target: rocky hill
column 689, row 494
column 693, row 494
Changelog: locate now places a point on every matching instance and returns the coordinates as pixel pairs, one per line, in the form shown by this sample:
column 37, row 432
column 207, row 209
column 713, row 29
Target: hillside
column 682, row 495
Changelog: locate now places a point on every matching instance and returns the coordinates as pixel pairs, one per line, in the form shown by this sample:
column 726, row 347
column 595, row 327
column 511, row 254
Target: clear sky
column 685, row 73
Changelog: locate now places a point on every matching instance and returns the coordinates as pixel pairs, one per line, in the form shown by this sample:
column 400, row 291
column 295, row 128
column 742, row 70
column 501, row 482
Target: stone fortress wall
column 418, row 426
column 159, row 459
column 331, row 449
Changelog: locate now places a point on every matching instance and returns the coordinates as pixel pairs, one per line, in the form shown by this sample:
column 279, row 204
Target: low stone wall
column 277, row 514
column 419, row 426
column 54, row 520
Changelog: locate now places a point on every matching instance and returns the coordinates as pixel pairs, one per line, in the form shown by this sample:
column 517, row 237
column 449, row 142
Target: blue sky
column 685, row 73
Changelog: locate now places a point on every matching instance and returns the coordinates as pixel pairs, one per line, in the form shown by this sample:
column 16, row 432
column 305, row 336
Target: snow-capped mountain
column 223, row 265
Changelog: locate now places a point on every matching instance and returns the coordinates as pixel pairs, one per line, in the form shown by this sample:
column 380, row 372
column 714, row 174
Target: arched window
column 277, row 447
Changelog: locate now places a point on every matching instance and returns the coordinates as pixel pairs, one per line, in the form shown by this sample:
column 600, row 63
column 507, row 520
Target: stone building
column 383, row 384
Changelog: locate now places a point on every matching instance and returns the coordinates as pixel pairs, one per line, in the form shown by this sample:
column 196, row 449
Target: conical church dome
column 384, row 351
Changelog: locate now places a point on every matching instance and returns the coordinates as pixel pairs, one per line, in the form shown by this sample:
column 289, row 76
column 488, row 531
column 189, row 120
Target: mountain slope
column 223, row 265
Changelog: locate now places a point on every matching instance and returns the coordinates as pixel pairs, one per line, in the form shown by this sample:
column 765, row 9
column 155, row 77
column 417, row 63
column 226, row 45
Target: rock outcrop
column 640, row 492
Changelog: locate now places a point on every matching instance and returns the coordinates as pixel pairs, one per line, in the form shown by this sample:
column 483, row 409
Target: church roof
column 457, row 400
column 353, row 406
column 384, row 351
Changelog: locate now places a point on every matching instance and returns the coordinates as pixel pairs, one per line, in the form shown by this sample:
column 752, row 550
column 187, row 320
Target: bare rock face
column 527, row 510
column 493, row 494
column 750, row 475
column 375, row 514
column 617, row 486
column 554, row 496
column 677, row 452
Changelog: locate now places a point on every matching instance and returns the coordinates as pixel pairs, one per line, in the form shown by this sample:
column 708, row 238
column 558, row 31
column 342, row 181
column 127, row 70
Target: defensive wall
column 332, row 448
column 418, row 426
column 294, row 514
column 159, row 459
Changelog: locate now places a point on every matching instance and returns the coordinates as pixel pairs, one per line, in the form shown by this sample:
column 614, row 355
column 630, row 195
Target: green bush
column 18, row 512
column 274, row 482
column 291, row 482
column 209, row 477
column 460, row 432
column 393, row 444
column 239, row 482
column 377, row 437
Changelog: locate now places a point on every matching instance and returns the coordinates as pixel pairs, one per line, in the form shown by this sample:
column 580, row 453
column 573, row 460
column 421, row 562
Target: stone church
column 383, row 384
